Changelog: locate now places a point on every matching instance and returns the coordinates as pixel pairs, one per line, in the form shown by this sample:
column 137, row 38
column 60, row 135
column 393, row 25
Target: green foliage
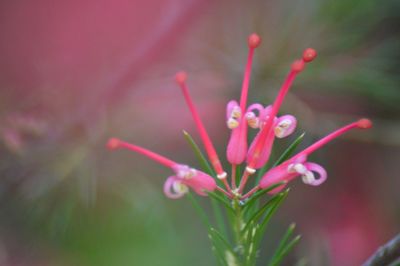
column 246, row 220
column 205, row 166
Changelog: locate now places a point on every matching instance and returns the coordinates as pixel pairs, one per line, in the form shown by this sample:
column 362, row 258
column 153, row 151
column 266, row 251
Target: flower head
column 239, row 117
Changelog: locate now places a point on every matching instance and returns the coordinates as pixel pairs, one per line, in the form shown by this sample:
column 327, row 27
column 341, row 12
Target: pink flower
column 262, row 144
column 298, row 165
column 239, row 117
column 177, row 185
column 236, row 120
column 260, row 149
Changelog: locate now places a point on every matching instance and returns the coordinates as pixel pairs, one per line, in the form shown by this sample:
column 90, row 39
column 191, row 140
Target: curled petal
column 254, row 107
column 285, row 126
column 233, row 114
column 232, row 123
column 319, row 170
column 253, row 118
column 171, row 188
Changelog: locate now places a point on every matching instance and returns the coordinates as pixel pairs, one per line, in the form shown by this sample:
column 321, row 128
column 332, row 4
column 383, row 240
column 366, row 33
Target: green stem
column 237, row 228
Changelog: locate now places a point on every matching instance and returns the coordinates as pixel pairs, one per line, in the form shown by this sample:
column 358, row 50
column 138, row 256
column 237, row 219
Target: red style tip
column 309, row 55
column 298, row 66
column 113, row 143
column 181, row 77
column 254, row 40
column 364, row 123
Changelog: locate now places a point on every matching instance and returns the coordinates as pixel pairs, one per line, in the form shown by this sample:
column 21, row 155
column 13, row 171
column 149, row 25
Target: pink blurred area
column 71, row 53
column 84, row 45
column 72, row 60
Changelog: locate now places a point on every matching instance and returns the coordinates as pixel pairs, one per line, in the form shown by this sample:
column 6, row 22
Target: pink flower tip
column 113, row 143
column 298, row 66
column 309, row 55
column 364, row 123
column 254, row 40
column 180, row 77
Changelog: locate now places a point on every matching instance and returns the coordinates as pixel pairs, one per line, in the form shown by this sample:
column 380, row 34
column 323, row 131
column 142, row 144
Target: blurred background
column 74, row 73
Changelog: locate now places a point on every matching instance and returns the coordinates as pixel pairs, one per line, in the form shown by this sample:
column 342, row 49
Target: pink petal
column 200, row 183
column 237, row 146
column 276, row 175
column 265, row 152
column 289, row 130
column 255, row 106
column 317, row 169
column 279, row 174
column 265, row 113
column 168, row 188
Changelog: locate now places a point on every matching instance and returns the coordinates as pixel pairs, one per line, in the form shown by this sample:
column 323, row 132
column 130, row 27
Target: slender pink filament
column 154, row 156
column 233, row 176
column 212, row 154
column 327, row 139
column 251, row 192
column 246, row 80
column 243, row 181
column 224, row 191
column 226, row 184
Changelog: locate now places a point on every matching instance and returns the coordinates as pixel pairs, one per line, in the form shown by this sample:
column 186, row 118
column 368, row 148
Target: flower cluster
column 239, row 118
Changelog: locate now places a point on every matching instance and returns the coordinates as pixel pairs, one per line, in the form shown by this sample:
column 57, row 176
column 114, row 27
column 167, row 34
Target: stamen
column 236, row 112
column 173, row 189
column 180, row 78
column 253, row 41
column 362, row 124
column 252, row 120
column 115, row 143
column 180, row 188
column 191, row 173
column 298, row 168
column 308, row 177
column 184, row 171
column 281, row 128
column 232, row 123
